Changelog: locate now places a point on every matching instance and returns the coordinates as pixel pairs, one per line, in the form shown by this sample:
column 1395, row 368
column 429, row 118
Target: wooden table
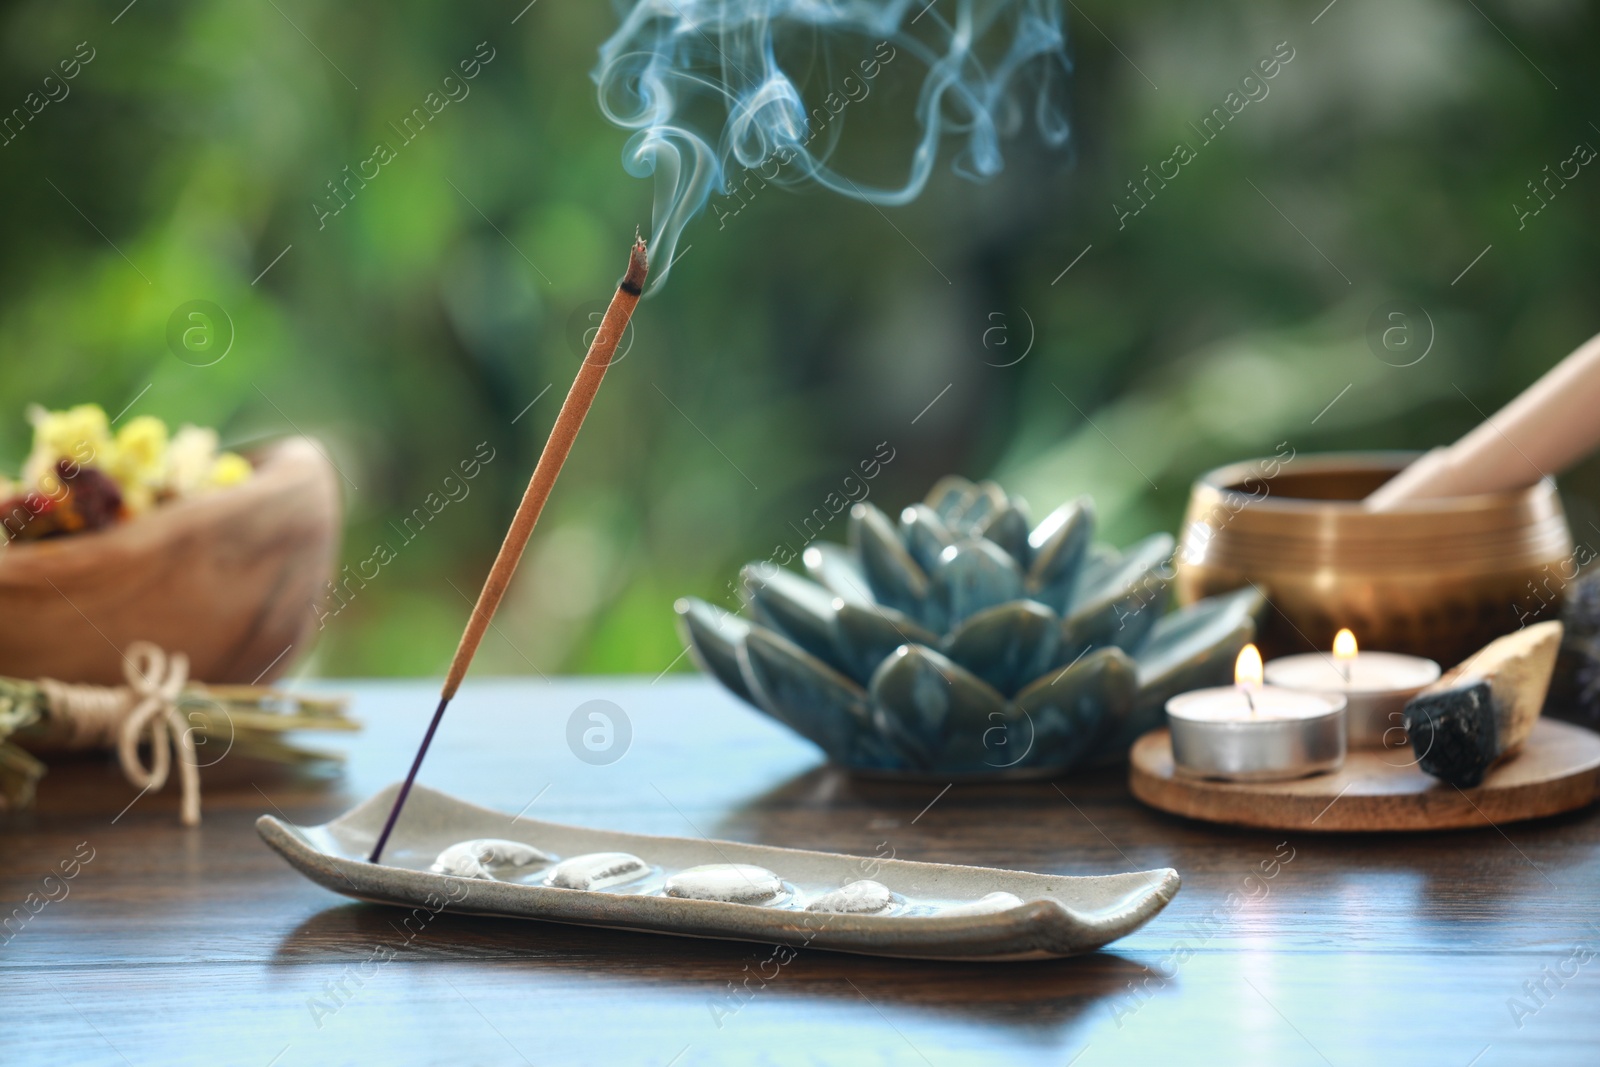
column 200, row 946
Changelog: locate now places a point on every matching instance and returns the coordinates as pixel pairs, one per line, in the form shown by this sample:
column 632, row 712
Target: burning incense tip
column 562, row 436
column 638, row 266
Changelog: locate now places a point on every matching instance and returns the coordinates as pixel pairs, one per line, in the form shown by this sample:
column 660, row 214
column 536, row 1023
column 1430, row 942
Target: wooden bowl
column 1438, row 578
column 228, row 578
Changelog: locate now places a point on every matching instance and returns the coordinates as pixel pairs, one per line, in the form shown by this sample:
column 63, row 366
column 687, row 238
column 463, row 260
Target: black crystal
column 1453, row 732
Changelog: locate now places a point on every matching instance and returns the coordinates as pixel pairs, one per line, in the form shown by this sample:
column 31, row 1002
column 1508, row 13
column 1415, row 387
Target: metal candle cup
column 1376, row 690
column 1290, row 734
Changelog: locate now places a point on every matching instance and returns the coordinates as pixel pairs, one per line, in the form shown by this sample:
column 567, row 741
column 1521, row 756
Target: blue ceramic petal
column 1113, row 573
column 1071, row 710
column 950, row 495
column 836, row 570
column 865, row 635
column 810, row 698
column 713, row 636
column 987, row 499
column 1008, row 645
column 925, row 535
column 800, row 610
column 892, row 575
column 973, row 575
column 1008, row 528
column 1098, row 562
column 1191, row 638
column 946, row 709
column 1122, row 607
column 1192, row 648
column 1124, row 622
column 1058, row 545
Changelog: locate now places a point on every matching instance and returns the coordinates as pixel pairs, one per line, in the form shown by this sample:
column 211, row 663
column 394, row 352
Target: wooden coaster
column 1557, row 770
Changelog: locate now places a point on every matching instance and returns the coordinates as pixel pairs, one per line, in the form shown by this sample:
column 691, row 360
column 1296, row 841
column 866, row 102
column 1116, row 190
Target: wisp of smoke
column 699, row 82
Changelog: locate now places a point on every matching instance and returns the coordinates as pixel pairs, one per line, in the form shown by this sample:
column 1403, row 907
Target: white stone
column 734, row 883
column 485, row 857
column 598, row 870
column 864, row 897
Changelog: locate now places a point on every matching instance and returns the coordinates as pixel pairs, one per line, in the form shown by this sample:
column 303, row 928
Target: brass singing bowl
column 1436, row 578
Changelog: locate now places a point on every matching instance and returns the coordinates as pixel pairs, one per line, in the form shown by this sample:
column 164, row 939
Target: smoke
column 700, row 83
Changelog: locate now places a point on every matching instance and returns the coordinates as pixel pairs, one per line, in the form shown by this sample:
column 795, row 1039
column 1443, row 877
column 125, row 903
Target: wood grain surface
column 1557, row 770
column 174, row 946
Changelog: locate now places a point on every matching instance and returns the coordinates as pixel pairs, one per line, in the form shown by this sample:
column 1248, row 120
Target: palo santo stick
column 562, row 436
column 1483, row 710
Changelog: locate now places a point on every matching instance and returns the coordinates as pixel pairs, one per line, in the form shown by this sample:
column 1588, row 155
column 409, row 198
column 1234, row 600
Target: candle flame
column 1247, row 670
column 1344, row 645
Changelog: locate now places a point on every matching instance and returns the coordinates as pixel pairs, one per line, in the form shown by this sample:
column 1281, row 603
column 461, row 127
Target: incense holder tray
column 446, row 854
column 964, row 642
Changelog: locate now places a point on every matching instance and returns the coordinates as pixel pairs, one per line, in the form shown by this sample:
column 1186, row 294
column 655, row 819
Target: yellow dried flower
column 142, row 448
column 138, row 461
column 144, row 463
column 81, row 434
column 230, row 469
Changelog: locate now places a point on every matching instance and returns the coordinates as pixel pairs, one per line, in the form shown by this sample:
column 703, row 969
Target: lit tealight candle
column 1250, row 731
column 1344, row 651
column 1376, row 686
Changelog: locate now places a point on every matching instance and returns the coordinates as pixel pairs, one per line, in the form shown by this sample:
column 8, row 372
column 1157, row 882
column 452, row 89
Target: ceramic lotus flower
column 964, row 641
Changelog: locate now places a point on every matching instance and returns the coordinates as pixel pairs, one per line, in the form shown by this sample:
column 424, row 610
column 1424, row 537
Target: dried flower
column 139, row 461
column 80, row 477
column 229, row 469
column 190, row 457
column 78, row 498
column 81, row 434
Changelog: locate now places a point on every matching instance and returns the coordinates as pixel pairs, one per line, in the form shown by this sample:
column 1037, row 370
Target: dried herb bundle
column 225, row 720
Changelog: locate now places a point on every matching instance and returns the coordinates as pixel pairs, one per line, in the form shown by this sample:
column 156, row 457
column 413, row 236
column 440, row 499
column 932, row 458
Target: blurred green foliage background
column 797, row 335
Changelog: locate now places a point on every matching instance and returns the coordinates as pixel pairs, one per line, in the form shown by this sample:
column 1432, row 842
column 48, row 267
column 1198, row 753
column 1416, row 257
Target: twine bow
column 145, row 709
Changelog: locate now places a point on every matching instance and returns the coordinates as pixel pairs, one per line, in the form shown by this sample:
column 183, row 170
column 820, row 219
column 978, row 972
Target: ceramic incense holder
column 446, row 854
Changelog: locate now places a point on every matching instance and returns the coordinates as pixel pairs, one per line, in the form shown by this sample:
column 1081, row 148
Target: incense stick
column 562, row 436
